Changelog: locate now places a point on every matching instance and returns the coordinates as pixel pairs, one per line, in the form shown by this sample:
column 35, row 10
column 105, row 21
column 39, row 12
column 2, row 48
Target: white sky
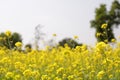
column 66, row 18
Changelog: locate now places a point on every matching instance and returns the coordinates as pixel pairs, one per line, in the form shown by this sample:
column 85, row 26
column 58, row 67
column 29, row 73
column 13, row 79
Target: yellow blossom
column 71, row 77
column 75, row 37
column 35, row 74
column 98, row 34
column 2, row 70
column 64, row 76
column 18, row 65
column 113, row 40
column 100, row 74
column 101, row 45
column 17, row 77
column 110, row 76
column 106, row 41
column 9, row 75
column 8, row 33
column 45, row 77
column 60, row 70
column 57, row 78
column 104, row 26
column 27, row 73
column 18, row 44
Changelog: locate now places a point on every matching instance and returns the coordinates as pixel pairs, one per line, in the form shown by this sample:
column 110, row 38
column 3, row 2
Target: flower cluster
column 8, row 33
column 18, row 44
column 104, row 26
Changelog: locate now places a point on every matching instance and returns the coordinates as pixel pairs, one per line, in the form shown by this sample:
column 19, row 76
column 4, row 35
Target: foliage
column 28, row 47
column 111, row 18
column 9, row 40
column 101, row 62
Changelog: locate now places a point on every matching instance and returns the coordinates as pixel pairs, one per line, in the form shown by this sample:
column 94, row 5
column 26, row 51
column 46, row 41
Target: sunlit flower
column 113, row 40
column 101, row 45
column 27, row 73
column 2, row 70
column 45, row 77
column 9, row 75
column 60, row 70
column 35, row 74
column 104, row 26
column 110, row 76
column 57, row 78
column 100, row 74
column 8, row 33
column 64, row 76
column 18, row 44
column 18, row 65
column 17, row 77
column 71, row 77
column 106, row 41
column 98, row 34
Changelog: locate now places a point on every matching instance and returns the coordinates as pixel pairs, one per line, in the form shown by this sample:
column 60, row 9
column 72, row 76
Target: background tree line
column 111, row 18
column 102, row 16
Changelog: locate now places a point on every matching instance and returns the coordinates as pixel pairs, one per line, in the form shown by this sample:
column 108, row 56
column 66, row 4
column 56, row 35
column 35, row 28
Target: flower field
column 101, row 62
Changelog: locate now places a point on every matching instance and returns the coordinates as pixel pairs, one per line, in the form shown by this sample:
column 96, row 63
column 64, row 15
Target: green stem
column 106, row 34
column 9, row 43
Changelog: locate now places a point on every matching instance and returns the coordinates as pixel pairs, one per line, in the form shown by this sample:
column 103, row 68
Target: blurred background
column 65, row 18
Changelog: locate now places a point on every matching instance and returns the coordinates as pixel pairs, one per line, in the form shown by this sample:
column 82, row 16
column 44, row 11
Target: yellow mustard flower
column 35, row 74
column 104, row 26
column 101, row 45
column 60, row 70
column 75, row 37
column 17, row 77
column 27, row 73
column 106, row 41
column 44, row 77
column 64, row 76
column 8, row 33
column 2, row 70
column 98, row 34
column 113, row 40
column 100, row 74
column 18, row 65
column 71, row 77
column 18, row 44
column 57, row 78
column 110, row 76
column 9, row 75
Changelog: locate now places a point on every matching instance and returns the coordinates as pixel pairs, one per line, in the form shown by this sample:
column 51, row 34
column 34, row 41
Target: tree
column 9, row 41
column 70, row 42
column 111, row 18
